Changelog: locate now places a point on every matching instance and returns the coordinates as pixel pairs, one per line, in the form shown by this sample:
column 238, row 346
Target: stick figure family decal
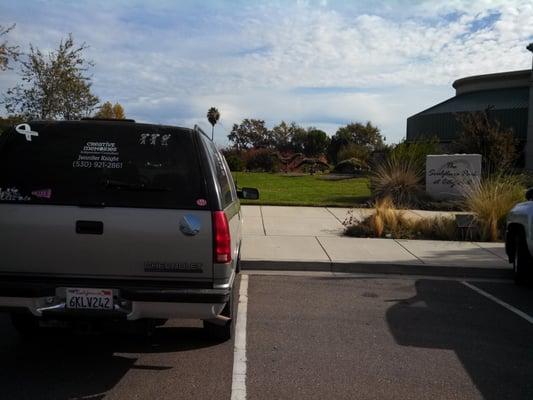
column 151, row 138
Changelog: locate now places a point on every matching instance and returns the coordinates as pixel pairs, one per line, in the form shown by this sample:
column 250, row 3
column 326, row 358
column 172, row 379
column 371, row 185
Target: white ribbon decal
column 24, row 129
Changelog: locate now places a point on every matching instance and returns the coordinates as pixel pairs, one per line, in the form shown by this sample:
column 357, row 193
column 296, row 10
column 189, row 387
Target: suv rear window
column 96, row 163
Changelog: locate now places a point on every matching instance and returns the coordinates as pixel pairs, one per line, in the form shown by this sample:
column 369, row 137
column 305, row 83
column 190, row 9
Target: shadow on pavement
column 61, row 365
column 494, row 345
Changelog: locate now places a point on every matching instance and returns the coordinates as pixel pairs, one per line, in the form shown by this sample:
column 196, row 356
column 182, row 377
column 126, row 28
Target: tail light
column 222, row 238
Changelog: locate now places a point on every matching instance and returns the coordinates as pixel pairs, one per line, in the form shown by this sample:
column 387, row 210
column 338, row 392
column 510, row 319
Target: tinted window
column 224, row 181
column 230, row 179
column 115, row 164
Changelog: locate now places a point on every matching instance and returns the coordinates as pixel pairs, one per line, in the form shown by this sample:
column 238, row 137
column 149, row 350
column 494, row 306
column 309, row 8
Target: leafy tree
column 283, row 134
column 316, row 142
column 484, row 135
column 118, row 110
column 54, row 85
column 7, row 53
column 298, row 140
column 109, row 111
column 213, row 116
column 340, row 140
column 250, row 133
column 311, row 142
column 367, row 136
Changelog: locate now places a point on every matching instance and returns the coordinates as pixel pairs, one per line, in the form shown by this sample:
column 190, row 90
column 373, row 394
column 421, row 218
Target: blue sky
column 320, row 63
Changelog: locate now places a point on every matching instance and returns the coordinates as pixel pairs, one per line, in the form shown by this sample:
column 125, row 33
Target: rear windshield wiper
column 133, row 186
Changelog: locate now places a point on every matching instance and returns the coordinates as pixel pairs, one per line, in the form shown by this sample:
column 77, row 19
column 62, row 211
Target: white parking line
column 522, row 314
column 238, row 383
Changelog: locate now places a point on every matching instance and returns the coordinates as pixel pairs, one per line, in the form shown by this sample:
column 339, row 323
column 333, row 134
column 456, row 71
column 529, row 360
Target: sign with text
column 448, row 174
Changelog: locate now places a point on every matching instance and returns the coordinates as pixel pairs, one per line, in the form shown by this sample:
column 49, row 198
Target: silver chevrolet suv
column 116, row 220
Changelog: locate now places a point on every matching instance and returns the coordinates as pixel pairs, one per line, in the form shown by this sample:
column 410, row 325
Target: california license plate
column 89, row 299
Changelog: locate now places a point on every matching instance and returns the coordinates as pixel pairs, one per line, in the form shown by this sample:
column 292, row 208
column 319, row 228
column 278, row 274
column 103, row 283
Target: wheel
column 221, row 331
column 25, row 324
column 238, row 265
column 522, row 262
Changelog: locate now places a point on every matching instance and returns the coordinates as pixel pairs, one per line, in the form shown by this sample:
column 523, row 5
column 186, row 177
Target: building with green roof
column 507, row 96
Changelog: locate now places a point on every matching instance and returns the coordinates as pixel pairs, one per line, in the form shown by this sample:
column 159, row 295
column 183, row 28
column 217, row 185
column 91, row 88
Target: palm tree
column 213, row 116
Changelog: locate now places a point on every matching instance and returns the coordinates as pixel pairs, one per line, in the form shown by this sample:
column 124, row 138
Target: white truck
column 519, row 239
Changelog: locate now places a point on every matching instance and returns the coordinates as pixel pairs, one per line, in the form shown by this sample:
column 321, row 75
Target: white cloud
column 169, row 64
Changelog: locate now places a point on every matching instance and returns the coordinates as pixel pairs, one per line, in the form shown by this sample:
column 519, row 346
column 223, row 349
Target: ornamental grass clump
column 399, row 180
column 490, row 200
column 386, row 221
column 386, row 216
column 434, row 228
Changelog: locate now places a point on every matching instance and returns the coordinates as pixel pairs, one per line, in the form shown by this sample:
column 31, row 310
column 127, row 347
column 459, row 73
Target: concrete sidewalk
column 310, row 238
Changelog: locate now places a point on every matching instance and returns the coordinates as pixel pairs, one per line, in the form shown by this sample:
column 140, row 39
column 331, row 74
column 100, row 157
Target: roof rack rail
column 198, row 129
column 107, row 119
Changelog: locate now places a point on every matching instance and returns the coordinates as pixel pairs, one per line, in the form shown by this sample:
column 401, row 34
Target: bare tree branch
column 7, row 53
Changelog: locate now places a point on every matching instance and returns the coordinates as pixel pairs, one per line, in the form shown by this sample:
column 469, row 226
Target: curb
column 378, row 268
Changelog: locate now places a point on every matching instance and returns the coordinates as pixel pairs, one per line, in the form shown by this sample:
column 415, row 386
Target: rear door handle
column 90, row 227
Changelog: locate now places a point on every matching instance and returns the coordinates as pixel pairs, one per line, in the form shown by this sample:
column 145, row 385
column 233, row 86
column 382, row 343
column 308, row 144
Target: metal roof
column 498, row 99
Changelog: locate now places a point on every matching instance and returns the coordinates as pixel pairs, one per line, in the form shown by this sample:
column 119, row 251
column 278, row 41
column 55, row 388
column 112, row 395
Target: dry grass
column 435, row 228
column 387, row 221
column 490, row 200
column 386, row 216
column 399, row 180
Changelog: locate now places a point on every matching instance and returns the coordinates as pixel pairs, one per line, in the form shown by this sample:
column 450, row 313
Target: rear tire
column 522, row 263
column 26, row 325
column 238, row 265
column 223, row 332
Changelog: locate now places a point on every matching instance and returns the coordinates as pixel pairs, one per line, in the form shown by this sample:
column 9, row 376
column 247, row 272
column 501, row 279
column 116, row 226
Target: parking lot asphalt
column 346, row 338
column 176, row 363
column 309, row 336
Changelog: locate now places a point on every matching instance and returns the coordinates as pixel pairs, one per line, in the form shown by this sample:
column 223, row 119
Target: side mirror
column 248, row 194
column 529, row 194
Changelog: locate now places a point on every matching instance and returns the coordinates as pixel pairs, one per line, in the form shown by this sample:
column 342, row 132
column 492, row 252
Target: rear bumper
column 46, row 298
column 41, row 307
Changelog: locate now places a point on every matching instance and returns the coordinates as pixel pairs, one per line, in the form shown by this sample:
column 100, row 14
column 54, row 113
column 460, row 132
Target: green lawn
column 306, row 190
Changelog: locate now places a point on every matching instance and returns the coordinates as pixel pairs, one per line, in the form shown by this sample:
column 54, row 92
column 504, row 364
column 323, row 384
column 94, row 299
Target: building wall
column 506, row 95
column 445, row 128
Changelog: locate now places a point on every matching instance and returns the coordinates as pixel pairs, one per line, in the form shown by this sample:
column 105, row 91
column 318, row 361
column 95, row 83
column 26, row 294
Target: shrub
column 353, row 150
column 490, row 200
column 415, row 152
column 234, row 158
column 434, row 228
column 261, row 160
column 350, row 166
column 312, row 166
column 387, row 221
column 400, row 180
column 483, row 134
column 235, row 163
column 386, row 217
column 526, row 179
